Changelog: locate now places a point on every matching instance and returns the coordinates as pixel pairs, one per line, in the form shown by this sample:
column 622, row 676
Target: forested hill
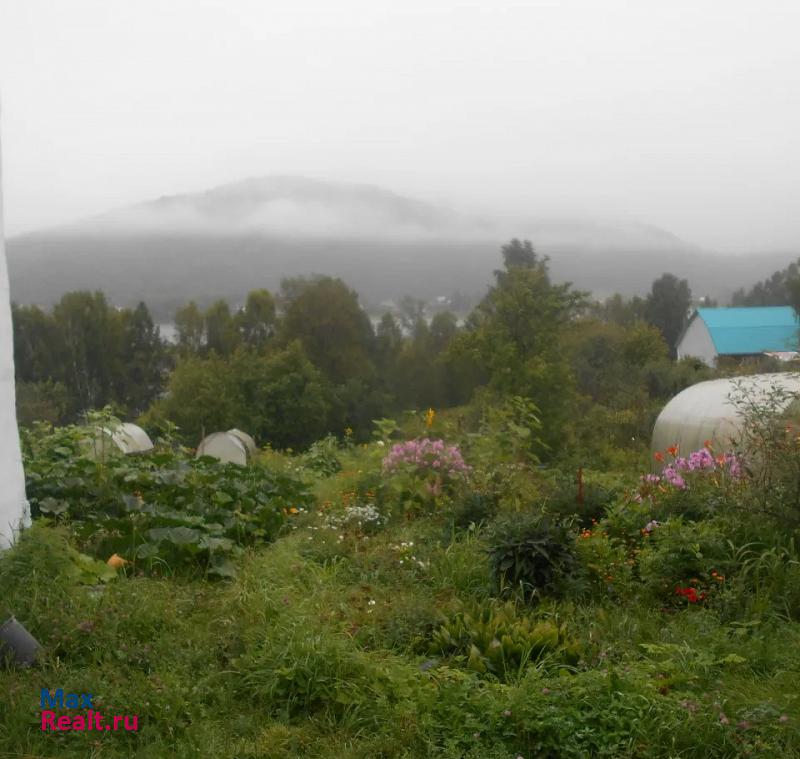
column 224, row 242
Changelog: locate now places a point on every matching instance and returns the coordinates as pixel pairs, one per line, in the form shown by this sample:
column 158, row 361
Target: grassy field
column 370, row 629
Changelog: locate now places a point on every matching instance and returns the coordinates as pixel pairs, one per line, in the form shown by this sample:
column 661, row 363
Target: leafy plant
column 323, row 457
column 679, row 554
column 495, row 639
column 532, row 555
column 159, row 510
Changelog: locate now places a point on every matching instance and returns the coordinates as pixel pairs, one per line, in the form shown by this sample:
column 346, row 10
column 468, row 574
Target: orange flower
column 707, row 444
column 658, row 456
column 673, row 450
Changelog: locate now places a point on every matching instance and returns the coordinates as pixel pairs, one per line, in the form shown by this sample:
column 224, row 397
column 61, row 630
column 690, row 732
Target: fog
column 679, row 115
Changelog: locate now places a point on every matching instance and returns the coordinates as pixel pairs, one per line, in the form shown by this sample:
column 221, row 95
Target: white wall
column 13, row 505
column 697, row 343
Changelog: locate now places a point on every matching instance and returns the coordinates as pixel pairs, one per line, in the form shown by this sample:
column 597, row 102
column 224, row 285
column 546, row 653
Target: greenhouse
column 246, row 440
column 713, row 411
column 231, row 447
column 127, row 438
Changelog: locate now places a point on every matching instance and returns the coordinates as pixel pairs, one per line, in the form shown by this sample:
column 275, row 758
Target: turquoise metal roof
column 737, row 331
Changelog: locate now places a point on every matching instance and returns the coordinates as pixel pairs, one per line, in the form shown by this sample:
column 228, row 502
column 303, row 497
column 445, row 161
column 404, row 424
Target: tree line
column 305, row 361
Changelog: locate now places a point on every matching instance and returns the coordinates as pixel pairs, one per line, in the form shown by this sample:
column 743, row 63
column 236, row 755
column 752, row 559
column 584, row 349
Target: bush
column 585, row 496
column 532, row 554
column 679, row 554
column 606, row 562
column 472, row 508
column 419, row 472
column 323, row 457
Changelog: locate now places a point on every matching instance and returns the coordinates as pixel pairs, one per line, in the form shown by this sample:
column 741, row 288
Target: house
column 740, row 332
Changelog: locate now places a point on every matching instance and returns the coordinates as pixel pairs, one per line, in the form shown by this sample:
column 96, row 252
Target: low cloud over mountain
column 252, row 233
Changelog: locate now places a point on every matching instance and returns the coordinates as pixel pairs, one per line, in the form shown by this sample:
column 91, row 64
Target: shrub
column 679, row 555
column 532, row 554
column 421, row 471
column 585, row 495
column 472, row 508
column 323, row 457
column 606, row 562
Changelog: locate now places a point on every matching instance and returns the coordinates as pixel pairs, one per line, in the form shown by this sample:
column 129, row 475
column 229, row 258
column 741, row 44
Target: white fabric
column 14, row 511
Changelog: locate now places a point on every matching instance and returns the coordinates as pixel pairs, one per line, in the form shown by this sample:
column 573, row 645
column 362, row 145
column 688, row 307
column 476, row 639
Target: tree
column 202, row 397
column 191, row 329
column 619, row 310
column 220, row 330
column 388, row 342
column 87, row 354
column 90, row 334
column 516, row 332
column 411, row 313
column 518, row 255
column 36, row 344
column 335, row 332
column 443, row 328
column 287, row 400
column 610, row 362
column 144, row 356
column 776, row 290
column 280, row 398
column 256, row 322
column 667, row 308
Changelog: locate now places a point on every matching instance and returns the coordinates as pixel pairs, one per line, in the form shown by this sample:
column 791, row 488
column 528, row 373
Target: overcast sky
column 682, row 114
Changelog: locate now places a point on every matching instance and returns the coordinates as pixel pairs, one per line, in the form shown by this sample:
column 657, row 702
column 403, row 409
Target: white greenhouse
column 246, row 440
column 231, row 447
column 127, row 438
column 705, row 411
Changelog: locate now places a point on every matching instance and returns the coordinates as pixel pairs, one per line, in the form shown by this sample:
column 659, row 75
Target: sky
column 680, row 114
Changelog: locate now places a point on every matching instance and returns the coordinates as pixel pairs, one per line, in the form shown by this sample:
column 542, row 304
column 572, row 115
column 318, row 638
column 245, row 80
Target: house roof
column 740, row 331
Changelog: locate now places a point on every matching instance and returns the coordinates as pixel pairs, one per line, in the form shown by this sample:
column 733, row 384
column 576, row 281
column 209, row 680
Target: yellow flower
column 430, row 414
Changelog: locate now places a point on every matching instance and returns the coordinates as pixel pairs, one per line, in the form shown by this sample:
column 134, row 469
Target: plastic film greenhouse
column 713, row 411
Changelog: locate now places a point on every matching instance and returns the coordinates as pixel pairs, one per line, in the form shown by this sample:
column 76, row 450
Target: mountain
column 252, row 233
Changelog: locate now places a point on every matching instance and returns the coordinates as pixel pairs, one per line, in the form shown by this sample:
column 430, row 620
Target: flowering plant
column 426, row 457
column 425, row 467
column 690, row 594
column 703, row 462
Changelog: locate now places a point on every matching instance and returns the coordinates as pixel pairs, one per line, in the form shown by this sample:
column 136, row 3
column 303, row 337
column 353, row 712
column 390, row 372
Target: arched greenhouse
column 714, row 410
column 126, row 438
column 246, row 440
column 231, row 447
